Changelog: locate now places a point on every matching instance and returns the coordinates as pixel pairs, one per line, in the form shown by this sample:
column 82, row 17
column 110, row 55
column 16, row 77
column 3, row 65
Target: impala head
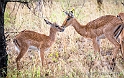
column 69, row 19
column 54, row 26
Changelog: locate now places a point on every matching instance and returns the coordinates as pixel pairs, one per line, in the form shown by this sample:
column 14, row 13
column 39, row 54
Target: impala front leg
column 96, row 45
column 42, row 56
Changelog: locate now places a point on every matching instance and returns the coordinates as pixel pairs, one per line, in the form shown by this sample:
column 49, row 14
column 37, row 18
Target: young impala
column 121, row 36
column 27, row 39
column 97, row 29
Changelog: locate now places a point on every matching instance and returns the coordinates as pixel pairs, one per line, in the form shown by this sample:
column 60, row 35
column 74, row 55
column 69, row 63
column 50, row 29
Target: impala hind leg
column 115, row 51
column 122, row 48
column 21, row 54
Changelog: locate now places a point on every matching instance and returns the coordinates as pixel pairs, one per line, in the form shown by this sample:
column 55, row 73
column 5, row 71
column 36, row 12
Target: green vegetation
column 7, row 18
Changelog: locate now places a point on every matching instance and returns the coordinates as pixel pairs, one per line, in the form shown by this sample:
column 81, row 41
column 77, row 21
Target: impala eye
column 68, row 19
column 56, row 26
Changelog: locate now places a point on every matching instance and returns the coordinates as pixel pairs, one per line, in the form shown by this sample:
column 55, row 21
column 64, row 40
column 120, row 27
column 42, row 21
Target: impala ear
column 66, row 12
column 70, row 13
column 47, row 22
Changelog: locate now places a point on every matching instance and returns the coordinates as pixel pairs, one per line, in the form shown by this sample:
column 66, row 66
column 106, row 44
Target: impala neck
column 78, row 27
column 52, row 34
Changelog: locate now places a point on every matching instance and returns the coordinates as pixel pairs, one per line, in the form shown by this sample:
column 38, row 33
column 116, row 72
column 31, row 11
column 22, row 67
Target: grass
column 71, row 56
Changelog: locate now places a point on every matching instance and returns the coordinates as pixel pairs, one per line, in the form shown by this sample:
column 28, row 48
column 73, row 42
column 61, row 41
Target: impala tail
column 118, row 31
column 16, row 45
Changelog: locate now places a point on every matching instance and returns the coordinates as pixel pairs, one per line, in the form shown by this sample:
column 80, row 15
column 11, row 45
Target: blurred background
column 71, row 56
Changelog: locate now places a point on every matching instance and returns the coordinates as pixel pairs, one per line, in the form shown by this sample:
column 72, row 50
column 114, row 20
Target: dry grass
column 71, row 56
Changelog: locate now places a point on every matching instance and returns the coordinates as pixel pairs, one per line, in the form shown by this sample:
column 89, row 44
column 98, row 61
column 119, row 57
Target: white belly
column 32, row 48
column 35, row 48
column 101, row 36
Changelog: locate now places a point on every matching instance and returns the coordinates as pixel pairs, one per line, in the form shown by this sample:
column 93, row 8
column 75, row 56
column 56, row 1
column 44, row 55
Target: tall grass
column 71, row 56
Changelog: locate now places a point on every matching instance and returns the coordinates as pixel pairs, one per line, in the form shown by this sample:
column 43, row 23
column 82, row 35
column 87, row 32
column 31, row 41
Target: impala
column 121, row 36
column 97, row 29
column 27, row 39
